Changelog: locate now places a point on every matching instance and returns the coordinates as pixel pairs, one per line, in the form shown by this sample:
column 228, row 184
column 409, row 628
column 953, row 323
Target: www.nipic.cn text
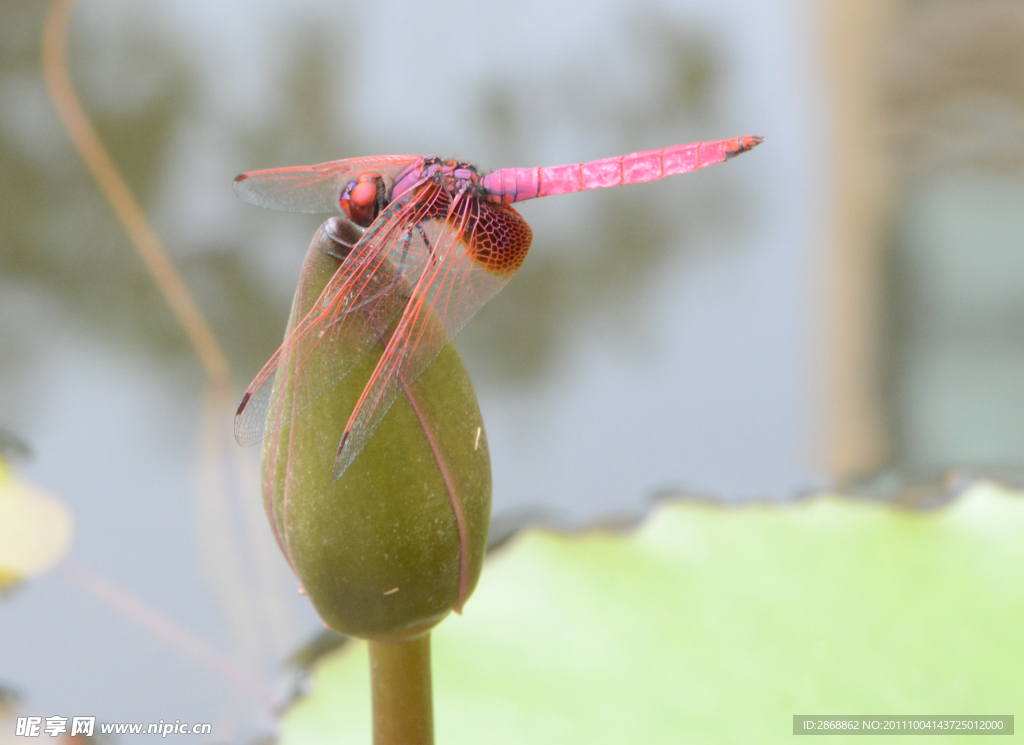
column 55, row 726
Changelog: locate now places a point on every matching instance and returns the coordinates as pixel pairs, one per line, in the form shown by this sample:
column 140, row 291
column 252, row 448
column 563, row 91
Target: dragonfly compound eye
column 363, row 194
column 361, row 199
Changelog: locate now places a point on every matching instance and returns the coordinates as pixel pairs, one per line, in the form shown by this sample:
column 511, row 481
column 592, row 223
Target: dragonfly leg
column 426, row 241
column 406, row 241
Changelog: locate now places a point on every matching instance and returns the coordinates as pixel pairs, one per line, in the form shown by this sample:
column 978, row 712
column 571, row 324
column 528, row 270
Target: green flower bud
column 398, row 541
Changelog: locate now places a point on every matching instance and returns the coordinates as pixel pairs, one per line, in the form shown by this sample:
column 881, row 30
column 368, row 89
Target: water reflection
column 601, row 262
column 955, row 346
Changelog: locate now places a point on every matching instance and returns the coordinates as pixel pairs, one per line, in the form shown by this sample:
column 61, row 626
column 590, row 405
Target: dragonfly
column 424, row 243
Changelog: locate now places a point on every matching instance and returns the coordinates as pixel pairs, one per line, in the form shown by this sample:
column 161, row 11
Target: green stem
column 403, row 709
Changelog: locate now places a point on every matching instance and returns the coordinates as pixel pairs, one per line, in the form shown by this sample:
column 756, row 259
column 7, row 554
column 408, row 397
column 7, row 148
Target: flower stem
column 403, row 709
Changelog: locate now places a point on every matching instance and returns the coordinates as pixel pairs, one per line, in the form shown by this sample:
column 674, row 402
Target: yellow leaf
column 35, row 529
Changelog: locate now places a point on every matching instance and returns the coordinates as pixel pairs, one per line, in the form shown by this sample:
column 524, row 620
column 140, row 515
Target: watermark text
column 55, row 726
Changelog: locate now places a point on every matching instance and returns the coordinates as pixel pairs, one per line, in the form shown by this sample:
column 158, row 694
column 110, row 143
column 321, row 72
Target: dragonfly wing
column 452, row 286
column 364, row 298
column 314, row 189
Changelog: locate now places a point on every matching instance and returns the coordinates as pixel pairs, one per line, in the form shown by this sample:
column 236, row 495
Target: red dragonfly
column 431, row 240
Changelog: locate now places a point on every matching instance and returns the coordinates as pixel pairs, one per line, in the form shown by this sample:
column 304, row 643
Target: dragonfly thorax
column 453, row 176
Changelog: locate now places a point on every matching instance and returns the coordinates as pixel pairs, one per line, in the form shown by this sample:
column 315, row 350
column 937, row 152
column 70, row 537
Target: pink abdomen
column 516, row 184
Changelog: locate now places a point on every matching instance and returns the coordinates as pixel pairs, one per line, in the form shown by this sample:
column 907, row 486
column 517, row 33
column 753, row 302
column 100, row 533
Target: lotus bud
column 385, row 552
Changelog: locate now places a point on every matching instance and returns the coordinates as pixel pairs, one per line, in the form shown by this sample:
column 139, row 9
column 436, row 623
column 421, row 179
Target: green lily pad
column 713, row 624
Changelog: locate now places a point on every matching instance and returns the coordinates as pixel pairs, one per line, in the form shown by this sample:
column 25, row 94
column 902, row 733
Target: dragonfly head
column 363, row 199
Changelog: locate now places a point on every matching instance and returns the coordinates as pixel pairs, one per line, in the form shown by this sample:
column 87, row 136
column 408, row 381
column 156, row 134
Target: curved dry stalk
column 121, row 199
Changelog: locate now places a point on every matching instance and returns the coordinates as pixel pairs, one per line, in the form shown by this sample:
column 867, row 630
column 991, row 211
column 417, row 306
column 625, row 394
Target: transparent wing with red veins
column 364, row 298
column 472, row 253
column 314, row 189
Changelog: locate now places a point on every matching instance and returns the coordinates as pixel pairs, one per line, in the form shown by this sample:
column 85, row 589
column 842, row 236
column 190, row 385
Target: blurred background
column 841, row 308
